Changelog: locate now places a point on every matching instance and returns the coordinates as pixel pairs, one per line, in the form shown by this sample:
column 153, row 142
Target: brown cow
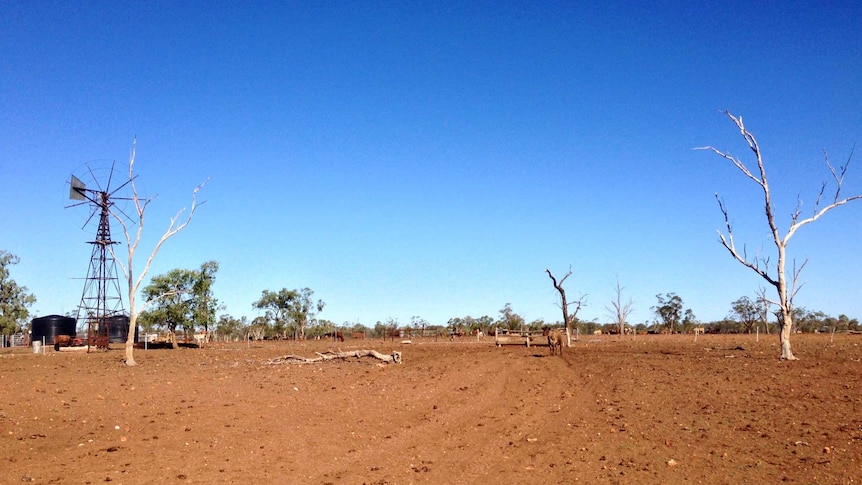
column 335, row 335
column 62, row 340
column 555, row 339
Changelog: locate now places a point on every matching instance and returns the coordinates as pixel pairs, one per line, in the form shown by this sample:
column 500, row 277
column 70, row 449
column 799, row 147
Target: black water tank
column 118, row 326
column 50, row 326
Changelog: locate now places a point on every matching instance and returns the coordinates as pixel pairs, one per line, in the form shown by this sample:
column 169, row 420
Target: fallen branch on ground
column 394, row 358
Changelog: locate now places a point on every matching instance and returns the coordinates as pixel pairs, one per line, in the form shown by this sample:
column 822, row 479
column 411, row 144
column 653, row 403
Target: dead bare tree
column 564, row 304
column 620, row 310
column 134, row 283
column 763, row 303
column 778, row 279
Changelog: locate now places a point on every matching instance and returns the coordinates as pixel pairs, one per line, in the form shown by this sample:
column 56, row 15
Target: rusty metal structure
column 101, row 300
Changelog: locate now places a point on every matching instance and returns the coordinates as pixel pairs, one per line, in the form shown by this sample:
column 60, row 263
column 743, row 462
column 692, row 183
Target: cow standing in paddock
column 336, row 336
column 555, row 339
column 62, row 341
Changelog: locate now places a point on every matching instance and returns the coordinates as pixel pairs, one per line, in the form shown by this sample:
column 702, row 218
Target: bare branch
column 838, row 177
column 798, row 210
column 797, row 225
column 795, row 286
column 816, row 201
column 735, row 161
column 172, row 230
column 728, row 244
column 579, row 303
column 554, row 280
column 761, row 294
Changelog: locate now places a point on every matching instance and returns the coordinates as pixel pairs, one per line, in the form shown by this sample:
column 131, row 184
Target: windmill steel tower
column 101, row 301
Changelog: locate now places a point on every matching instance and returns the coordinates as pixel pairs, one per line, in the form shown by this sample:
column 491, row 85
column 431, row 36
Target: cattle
column 335, row 336
column 555, row 339
column 62, row 341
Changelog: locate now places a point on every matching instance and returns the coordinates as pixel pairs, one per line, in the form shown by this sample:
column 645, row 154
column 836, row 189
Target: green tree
column 171, row 296
column 259, row 328
column 536, row 325
column 228, row 328
column 509, row 319
column 304, row 310
column 746, row 312
column 847, row 323
column 290, row 310
column 380, row 330
column 181, row 298
column 322, row 327
column 669, row 311
column 456, row 325
column 484, row 324
column 204, row 306
column 276, row 306
column 14, row 299
column 689, row 321
column 418, row 323
column 809, row 321
column 359, row 328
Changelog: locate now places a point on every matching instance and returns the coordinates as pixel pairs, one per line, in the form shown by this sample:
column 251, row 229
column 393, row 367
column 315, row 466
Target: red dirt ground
column 656, row 409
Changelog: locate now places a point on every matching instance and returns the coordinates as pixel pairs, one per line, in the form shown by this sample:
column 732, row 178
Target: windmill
column 101, row 304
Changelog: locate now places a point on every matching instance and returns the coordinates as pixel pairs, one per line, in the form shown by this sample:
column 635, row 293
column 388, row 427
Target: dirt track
column 657, row 409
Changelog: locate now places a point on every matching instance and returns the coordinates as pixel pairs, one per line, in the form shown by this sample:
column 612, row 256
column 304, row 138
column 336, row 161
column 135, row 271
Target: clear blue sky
column 430, row 159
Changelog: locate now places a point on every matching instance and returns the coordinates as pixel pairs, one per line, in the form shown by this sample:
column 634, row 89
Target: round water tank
column 118, row 326
column 48, row 327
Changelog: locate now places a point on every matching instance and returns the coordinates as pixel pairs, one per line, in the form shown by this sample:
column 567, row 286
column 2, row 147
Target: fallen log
column 394, row 358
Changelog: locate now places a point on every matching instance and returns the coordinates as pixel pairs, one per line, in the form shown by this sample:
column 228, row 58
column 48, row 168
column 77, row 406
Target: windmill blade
column 95, row 179
column 93, row 213
column 86, row 201
column 117, row 208
column 127, row 182
column 110, row 176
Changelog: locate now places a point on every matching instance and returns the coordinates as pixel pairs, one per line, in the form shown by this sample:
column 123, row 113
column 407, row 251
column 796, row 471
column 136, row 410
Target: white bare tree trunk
column 132, row 245
column 761, row 265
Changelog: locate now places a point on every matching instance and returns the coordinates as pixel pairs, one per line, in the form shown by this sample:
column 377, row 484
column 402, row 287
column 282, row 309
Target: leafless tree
column 620, row 310
column 568, row 319
column 763, row 303
column 778, row 278
column 134, row 283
